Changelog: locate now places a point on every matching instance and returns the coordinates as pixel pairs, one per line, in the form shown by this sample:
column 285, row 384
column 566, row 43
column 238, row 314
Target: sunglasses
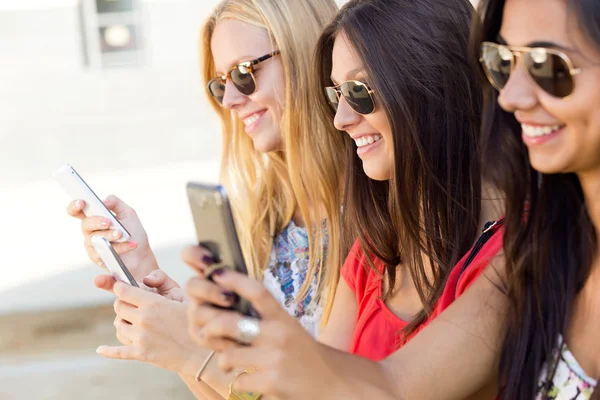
column 241, row 76
column 357, row 94
column 550, row 69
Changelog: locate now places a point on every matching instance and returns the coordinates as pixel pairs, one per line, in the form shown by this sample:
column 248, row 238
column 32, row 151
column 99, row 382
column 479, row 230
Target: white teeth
column 536, row 131
column 366, row 140
column 251, row 119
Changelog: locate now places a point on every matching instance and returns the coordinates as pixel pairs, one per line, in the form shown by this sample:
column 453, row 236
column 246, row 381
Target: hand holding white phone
column 112, row 260
column 78, row 189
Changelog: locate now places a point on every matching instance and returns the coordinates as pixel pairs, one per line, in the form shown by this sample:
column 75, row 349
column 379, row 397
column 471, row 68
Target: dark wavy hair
column 415, row 53
column 549, row 239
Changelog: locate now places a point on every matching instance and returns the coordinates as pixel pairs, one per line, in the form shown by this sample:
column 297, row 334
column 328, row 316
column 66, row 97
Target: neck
column 590, row 183
column 492, row 204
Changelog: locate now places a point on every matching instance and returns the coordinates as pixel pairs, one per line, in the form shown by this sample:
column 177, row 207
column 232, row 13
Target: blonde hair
column 267, row 189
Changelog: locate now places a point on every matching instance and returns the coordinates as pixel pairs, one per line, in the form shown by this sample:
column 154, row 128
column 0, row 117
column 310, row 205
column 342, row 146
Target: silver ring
column 247, row 330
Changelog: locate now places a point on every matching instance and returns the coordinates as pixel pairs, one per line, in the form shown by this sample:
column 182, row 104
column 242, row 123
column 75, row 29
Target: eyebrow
column 350, row 75
column 550, row 45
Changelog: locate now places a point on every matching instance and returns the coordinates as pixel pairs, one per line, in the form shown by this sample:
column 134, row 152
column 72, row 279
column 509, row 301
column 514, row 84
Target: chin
column 267, row 142
column 549, row 165
column 376, row 172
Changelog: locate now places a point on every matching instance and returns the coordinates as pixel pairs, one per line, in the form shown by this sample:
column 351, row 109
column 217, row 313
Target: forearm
column 146, row 266
column 355, row 377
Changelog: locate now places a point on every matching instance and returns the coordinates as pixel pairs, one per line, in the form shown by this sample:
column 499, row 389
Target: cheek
column 271, row 91
column 378, row 120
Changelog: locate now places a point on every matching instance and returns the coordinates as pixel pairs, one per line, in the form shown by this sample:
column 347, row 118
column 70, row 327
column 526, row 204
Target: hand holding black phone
column 215, row 229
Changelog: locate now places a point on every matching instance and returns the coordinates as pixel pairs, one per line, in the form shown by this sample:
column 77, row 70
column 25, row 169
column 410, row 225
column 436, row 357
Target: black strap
column 488, row 231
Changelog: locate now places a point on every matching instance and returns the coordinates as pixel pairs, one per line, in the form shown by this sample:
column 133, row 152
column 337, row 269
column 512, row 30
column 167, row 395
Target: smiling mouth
column 251, row 119
column 366, row 140
column 538, row 131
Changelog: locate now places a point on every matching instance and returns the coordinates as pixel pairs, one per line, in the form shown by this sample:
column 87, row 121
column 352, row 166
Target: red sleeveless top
column 377, row 330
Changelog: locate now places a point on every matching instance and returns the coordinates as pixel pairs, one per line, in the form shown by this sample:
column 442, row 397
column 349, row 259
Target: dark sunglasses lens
column 332, row 98
column 358, row 97
column 243, row 80
column 217, row 90
column 550, row 71
column 497, row 62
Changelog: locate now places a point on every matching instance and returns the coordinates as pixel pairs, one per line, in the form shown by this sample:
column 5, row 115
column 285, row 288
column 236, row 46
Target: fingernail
column 132, row 245
column 208, row 260
column 218, row 272
column 99, row 350
column 230, row 297
column 105, row 222
column 78, row 204
column 116, row 233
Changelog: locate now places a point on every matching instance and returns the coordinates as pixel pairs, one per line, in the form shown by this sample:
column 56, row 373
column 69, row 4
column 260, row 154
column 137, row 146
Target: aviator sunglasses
column 550, row 69
column 357, row 94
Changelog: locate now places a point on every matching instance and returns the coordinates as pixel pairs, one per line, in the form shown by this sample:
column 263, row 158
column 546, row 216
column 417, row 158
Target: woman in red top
column 413, row 189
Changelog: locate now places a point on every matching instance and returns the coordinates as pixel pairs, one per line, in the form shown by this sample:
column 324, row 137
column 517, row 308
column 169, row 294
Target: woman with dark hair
column 413, row 188
column 542, row 127
column 408, row 103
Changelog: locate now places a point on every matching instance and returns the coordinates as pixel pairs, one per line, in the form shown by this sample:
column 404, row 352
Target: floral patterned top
column 286, row 272
column 569, row 382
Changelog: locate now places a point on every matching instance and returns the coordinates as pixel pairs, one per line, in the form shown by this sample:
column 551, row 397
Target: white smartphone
column 112, row 260
column 78, row 189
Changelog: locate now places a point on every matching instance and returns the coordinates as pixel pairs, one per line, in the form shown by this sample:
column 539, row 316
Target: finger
column 110, row 234
column 93, row 224
column 204, row 291
column 135, row 296
column 243, row 357
column 217, row 344
column 118, row 206
column 199, row 314
column 124, row 247
column 252, row 290
column 223, row 326
column 118, row 323
column 118, row 352
column 198, row 258
column 75, row 209
column 159, row 280
column 105, row 282
column 127, row 312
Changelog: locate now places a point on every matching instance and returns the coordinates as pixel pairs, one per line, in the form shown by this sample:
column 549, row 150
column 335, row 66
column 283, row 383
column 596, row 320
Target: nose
column 232, row 98
column 345, row 117
column 520, row 92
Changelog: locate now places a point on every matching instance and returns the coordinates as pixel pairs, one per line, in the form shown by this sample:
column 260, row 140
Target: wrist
column 147, row 264
column 190, row 366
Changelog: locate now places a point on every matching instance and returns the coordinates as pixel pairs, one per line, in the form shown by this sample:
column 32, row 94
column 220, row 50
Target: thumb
column 105, row 282
column 160, row 281
column 118, row 206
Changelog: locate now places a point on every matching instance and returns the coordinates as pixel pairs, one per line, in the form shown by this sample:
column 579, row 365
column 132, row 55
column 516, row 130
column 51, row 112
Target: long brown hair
column 416, row 57
column 549, row 239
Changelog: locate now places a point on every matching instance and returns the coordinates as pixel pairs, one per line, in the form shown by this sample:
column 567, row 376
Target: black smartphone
column 215, row 229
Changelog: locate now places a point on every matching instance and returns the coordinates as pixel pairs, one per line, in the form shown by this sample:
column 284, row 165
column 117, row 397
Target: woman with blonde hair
column 283, row 184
